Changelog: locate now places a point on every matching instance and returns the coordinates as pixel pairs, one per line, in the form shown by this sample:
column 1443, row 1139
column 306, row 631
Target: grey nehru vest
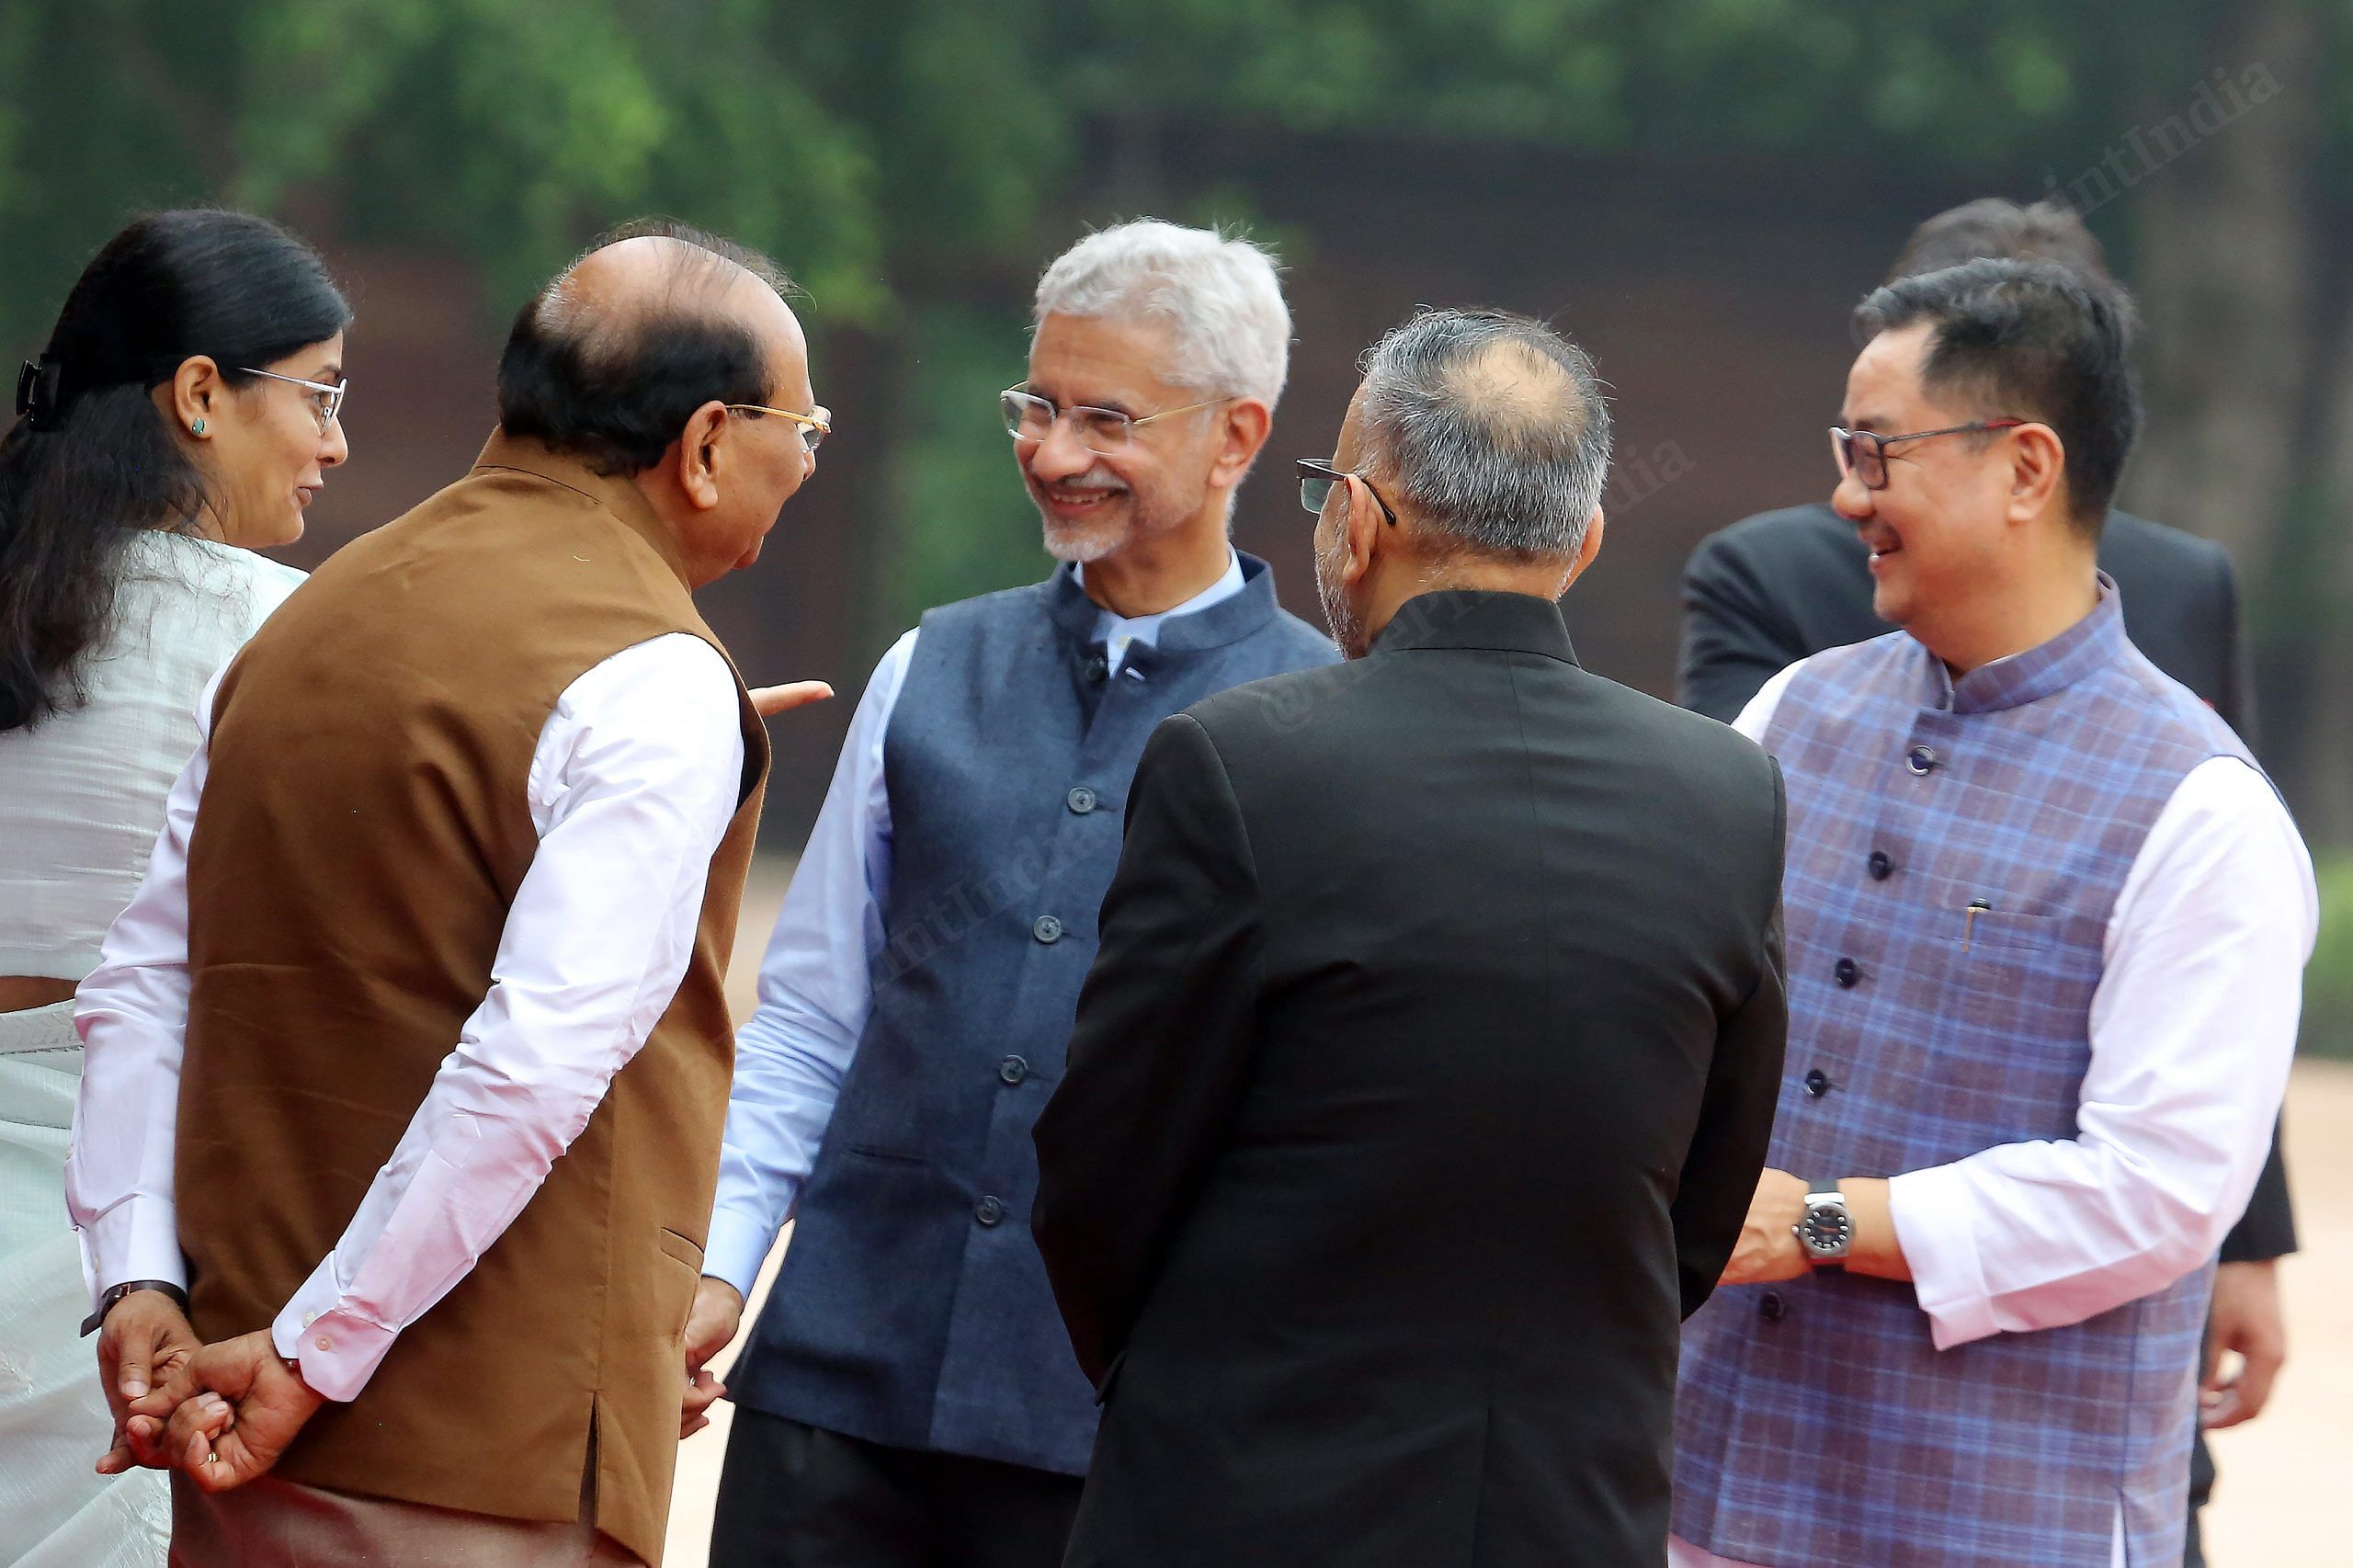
column 1955, row 851
column 912, row 1308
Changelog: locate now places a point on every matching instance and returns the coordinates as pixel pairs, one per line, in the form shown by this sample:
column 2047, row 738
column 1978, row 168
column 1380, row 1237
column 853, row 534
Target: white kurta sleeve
column 2192, row 1028
column 132, row 1013
column 634, row 781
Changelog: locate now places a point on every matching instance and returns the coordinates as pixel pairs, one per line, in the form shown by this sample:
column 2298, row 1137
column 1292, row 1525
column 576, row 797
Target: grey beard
column 1346, row 633
column 1081, row 545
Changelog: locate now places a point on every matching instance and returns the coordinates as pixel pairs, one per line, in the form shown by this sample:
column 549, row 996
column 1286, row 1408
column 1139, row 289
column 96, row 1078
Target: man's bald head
column 1493, row 429
column 652, row 322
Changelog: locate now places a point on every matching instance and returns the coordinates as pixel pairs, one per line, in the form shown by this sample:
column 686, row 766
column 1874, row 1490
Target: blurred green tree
column 890, row 149
column 892, row 138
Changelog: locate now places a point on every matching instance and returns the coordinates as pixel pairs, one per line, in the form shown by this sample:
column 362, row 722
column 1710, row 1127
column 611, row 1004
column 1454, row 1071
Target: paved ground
column 2286, row 1476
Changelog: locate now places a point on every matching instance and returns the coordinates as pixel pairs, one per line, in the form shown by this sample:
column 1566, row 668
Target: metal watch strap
column 1827, row 1193
column 115, row 1293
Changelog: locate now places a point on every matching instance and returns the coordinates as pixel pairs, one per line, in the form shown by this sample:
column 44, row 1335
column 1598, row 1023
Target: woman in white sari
column 183, row 415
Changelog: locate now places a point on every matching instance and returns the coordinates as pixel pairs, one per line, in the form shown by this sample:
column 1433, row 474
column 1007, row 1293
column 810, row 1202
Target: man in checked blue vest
column 2046, row 928
column 909, row 1395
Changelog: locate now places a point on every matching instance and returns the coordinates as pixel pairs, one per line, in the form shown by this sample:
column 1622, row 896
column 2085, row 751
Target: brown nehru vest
column 363, row 829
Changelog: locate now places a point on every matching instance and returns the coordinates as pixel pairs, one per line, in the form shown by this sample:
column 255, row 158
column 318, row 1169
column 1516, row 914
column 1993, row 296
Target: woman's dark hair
column 91, row 461
column 2029, row 340
column 615, row 391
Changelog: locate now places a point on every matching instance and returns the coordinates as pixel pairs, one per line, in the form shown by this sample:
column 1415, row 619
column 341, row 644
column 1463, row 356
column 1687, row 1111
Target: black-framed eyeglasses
column 1105, row 432
column 1863, row 453
column 1316, row 478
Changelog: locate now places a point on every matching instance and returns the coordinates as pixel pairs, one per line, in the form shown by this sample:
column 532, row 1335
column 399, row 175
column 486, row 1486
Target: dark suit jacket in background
column 1417, row 1092
column 1775, row 588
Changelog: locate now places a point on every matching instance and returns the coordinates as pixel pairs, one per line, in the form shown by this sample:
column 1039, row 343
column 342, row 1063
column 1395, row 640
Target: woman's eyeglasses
column 326, row 401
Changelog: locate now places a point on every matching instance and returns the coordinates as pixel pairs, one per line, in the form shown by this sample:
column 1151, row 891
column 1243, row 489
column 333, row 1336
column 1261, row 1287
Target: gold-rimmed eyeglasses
column 1105, row 432
column 326, row 401
column 816, row 426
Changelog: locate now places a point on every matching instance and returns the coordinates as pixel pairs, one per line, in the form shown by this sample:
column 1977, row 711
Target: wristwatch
column 1827, row 1230
column 117, row 1292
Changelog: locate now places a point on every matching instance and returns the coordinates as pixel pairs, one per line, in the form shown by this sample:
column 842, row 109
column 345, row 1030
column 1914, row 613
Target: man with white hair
column 909, row 1395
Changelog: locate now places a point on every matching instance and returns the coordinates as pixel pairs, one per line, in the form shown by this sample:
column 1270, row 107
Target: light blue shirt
column 816, row 987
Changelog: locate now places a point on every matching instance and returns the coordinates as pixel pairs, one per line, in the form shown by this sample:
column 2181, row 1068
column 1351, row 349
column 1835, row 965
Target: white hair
column 1229, row 329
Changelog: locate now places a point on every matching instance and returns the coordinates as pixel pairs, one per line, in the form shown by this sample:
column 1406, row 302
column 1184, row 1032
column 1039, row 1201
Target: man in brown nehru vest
column 409, row 1063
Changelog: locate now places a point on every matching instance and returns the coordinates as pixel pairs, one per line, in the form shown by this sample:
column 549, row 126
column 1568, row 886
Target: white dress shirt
column 2193, row 1024
column 816, row 987
column 632, row 784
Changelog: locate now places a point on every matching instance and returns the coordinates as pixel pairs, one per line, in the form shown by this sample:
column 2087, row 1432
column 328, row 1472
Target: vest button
column 1081, row 799
column 1880, row 865
column 1921, row 760
column 1048, row 929
column 1844, row 972
column 1013, row 1069
column 989, row 1210
column 1097, row 666
column 1771, row 1307
column 1817, row 1083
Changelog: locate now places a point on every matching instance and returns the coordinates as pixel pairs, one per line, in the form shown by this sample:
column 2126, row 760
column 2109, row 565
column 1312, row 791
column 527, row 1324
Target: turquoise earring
column 196, row 428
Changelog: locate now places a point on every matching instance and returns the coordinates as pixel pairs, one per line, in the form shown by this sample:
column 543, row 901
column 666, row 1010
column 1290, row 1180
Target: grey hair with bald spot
column 1217, row 295
column 1492, row 426
column 699, row 266
column 614, row 381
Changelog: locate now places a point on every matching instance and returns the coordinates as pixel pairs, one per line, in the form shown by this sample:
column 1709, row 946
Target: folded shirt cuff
column 137, row 1239
column 737, row 1245
column 338, row 1348
column 1933, row 1214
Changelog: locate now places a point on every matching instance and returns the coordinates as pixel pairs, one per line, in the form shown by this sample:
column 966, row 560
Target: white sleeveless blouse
column 81, row 794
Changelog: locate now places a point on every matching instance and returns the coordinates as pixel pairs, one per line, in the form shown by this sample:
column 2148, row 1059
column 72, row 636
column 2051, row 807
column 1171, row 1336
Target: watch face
column 1826, row 1228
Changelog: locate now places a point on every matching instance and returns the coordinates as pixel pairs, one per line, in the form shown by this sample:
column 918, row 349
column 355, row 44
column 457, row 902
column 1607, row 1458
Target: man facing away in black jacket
column 1775, row 588
column 1430, row 1054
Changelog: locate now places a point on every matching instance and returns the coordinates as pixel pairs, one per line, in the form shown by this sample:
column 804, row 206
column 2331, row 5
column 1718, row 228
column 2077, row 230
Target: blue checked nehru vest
column 1816, row 1422
column 912, row 1308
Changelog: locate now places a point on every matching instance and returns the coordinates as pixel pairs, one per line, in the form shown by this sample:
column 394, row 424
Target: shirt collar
column 1116, row 630
column 1219, row 615
column 2084, row 649
column 616, row 494
column 1479, row 619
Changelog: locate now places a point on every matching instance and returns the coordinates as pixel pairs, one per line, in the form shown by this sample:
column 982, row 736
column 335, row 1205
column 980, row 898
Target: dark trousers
column 798, row 1496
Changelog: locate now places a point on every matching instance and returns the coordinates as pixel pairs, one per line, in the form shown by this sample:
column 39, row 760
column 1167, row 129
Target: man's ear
column 2038, row 471
column 1244, row 426
column 702, row 455
column 1586, row 552
column 1363, row 530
